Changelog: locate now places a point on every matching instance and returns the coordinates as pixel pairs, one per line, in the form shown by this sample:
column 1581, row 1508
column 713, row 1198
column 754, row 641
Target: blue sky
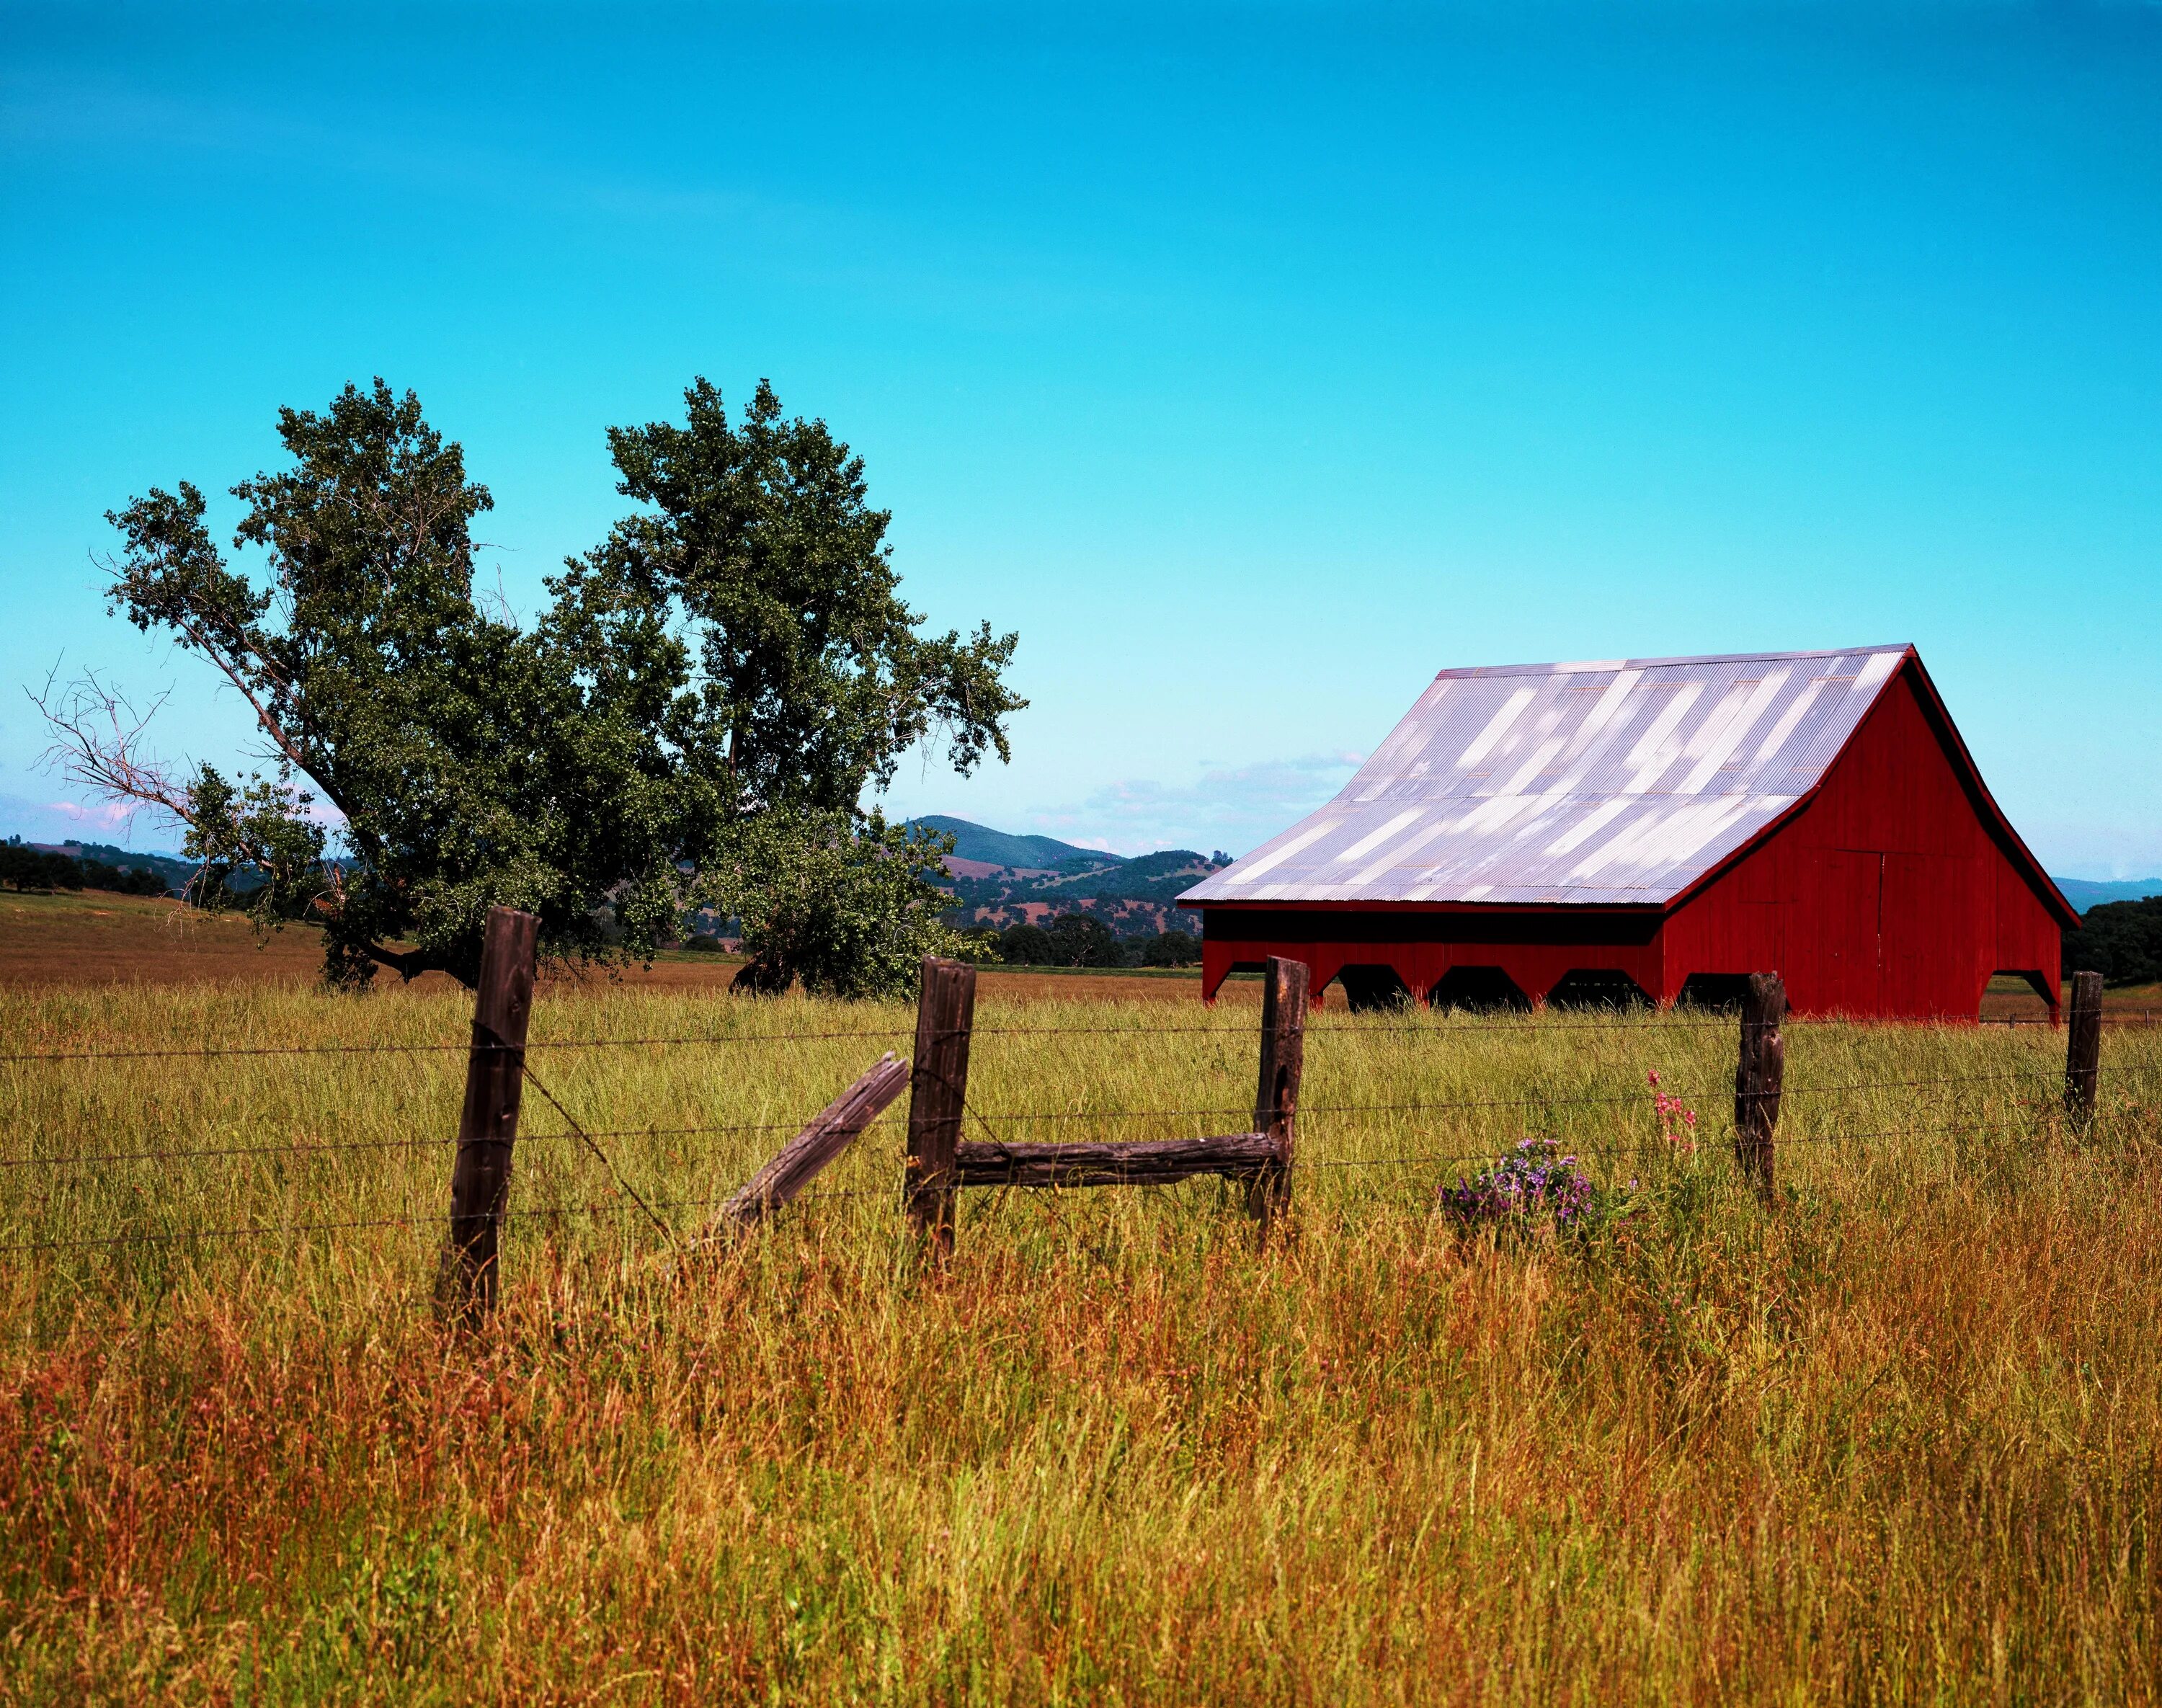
column 1255, row 362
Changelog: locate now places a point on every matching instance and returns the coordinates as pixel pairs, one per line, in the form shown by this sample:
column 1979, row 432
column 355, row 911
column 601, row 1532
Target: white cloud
column 70, row 821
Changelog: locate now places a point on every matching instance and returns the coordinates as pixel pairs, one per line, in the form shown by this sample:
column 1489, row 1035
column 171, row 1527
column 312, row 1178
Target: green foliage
column 34, row 869
column 262, row 827
column 1171, row 949
column 1082, row 940
column 732, row 668
column 761, row 577
column 462, row 757
column 123, row 880
column 2120, row 940
column 847, row 908
column 1025, row 945
column 981, row 944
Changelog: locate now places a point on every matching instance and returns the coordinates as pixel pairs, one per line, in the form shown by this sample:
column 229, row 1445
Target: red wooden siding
column 1891, row 892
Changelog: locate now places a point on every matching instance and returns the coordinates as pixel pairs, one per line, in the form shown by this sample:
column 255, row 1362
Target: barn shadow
column 1714, row 993
column 1597, row 989
column 1479, row 990
column 1371, row 988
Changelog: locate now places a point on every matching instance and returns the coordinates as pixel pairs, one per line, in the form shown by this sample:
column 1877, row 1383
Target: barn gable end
column 1896, row 888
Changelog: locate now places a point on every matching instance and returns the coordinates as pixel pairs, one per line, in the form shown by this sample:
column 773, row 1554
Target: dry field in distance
column 94, row 939
column 1896, row 1440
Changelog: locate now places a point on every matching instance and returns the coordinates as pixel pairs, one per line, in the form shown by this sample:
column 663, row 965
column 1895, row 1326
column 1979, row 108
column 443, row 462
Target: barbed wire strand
column 1440, row 1028
column 537, row 1213
column 592, row 1145
column 314, row 1148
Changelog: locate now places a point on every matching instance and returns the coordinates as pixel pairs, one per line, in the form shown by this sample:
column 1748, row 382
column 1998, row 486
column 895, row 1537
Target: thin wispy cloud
column 73, row 821
column 1229, row 807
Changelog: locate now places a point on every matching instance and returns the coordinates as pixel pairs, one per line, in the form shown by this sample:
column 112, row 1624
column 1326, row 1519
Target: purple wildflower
column 1530, row 1181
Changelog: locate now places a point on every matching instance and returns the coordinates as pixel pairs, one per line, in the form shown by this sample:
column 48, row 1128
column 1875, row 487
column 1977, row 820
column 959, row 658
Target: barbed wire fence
column 952, row 1144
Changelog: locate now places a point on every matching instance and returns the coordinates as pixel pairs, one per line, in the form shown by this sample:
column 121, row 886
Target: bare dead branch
column 98, row 743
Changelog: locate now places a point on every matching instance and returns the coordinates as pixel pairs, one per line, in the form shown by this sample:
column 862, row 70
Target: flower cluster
column 1529, row 1183
column 1677, row 1124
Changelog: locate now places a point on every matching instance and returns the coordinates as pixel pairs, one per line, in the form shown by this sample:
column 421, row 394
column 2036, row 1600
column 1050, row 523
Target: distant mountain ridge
column 997, row 848
column 2084, row 893
column 1001, row 880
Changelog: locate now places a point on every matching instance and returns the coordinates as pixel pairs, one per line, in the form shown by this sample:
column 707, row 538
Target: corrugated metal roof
column 1618, row 781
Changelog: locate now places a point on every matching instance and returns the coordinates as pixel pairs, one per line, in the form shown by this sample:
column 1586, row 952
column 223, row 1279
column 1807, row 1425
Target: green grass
column 1895, row 1441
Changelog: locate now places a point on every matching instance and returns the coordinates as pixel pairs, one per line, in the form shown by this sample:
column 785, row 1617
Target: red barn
column 1661, row 826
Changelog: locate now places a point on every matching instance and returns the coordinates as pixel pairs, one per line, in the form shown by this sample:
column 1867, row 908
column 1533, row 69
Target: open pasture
column 1897, row 1440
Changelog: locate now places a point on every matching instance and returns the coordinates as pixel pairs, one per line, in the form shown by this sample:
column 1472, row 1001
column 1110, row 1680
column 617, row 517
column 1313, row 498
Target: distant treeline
column 25, row 868
column 2120, row 940
column 124, row 873
column 1083, row 940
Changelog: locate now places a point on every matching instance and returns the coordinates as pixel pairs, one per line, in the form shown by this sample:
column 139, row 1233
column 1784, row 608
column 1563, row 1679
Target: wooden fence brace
column 830, row 1132
column 938, row 1085
column 1275, row 1100
column 1758, row 1076
column 1115, row 1162
column 487, row 1125
column 2083, row 1047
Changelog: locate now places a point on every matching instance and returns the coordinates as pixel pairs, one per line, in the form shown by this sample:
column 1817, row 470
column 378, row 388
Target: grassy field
column 1896, row 1441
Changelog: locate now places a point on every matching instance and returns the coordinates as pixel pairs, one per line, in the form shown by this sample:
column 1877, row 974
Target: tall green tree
column 755, row 579
column 698, row 712
column 755, row 544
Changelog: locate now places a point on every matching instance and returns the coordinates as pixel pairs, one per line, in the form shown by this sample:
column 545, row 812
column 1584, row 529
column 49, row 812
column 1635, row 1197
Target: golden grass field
column 1896, row 1440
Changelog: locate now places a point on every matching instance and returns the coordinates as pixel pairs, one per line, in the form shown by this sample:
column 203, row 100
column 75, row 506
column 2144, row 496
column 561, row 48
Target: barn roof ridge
column 1579, row 666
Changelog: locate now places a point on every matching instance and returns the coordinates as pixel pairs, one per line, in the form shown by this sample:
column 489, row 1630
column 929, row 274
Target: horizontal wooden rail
column 1130, row 1162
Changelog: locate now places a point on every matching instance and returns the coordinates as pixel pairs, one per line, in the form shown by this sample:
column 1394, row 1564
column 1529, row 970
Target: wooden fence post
column 495, row 1078
column 831, row 1131
column 1758, row 1076
column 2083, row 1047
column 1275, row 1101
column 938, row 1085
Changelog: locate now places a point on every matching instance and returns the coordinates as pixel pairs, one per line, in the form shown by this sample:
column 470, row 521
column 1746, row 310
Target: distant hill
column 2083, row 894
column 995, row 848
column 1000, row 880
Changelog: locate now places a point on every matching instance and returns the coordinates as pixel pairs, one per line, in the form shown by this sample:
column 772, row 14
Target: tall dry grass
column 1895, row 1441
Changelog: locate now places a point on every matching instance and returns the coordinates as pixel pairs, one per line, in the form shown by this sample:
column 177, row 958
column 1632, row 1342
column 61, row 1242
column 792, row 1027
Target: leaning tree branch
column 287, row 748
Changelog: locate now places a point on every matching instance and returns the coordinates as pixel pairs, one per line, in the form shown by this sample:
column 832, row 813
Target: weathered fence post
column 1758, row 1076
column 2083, row 1047
column 938, row 1084
column 495, row 1076
column 1275, row 1102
